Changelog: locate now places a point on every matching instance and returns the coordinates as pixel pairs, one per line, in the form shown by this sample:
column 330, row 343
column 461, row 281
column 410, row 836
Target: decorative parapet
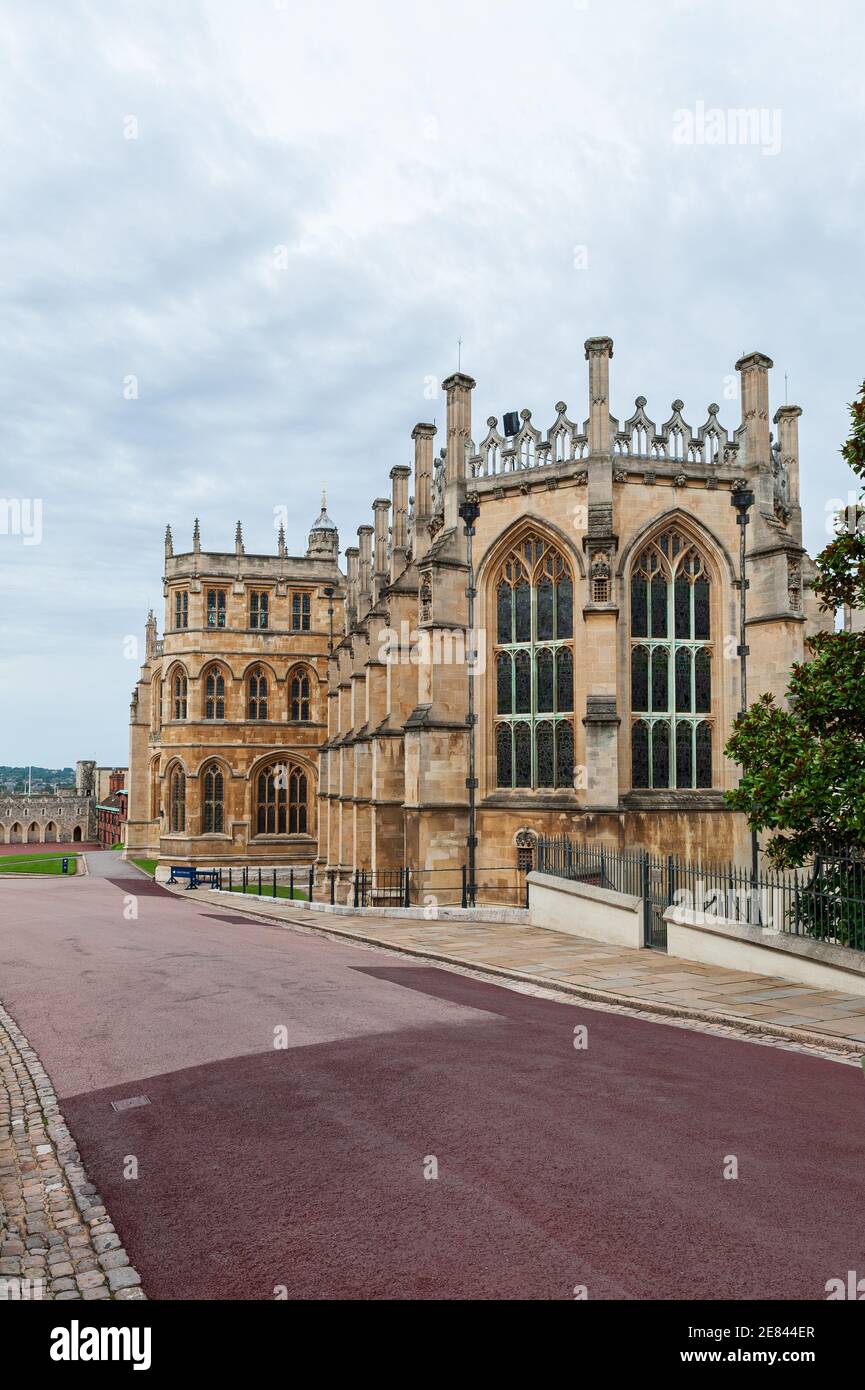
column 675, row 441
column 639, row 437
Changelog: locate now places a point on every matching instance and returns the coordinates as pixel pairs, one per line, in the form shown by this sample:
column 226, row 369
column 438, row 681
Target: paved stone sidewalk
column 56, row 1240
column 764, row 1007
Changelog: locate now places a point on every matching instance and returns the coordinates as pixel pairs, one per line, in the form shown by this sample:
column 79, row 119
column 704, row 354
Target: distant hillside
column 43, row 778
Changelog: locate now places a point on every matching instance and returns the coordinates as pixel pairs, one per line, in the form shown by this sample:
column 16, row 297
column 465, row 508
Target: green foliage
column 803, row 768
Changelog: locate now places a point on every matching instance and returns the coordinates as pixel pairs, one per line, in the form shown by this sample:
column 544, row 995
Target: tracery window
column 281, row 801
column 181, row 608
column 300, row 612
column 534, row 728
column 216, row 608
column 179, row 689
column 257, row 703
column 672, row 721
column 299, row 701
column 259, row 608
column 214, row 694
column 177, row 800
column 213, row 800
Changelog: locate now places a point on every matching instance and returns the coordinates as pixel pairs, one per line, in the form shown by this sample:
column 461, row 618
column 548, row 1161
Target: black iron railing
column 825, row 901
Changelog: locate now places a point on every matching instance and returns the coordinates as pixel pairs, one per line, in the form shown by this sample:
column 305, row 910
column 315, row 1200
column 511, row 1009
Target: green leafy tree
column 803, row 767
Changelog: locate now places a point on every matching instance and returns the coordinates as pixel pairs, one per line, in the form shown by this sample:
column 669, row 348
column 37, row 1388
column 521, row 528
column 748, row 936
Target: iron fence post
column 464, row 902
column 311, row 881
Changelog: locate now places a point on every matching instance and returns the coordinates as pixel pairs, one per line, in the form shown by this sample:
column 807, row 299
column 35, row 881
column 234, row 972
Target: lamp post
column 742, row 498
column 469, row 512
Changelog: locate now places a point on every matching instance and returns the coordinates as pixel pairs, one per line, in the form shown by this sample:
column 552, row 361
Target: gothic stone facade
column 67, row 816
column 229, row 710
column 606, row 676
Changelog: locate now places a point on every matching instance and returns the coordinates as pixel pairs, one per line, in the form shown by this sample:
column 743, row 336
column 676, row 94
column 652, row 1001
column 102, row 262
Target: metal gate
column 658, row 889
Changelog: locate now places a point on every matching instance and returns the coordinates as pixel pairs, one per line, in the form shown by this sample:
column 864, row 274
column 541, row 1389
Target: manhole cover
column 130, row 1103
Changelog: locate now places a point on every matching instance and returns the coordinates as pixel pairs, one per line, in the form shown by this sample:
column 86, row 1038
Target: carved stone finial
column 238, row 540
column 169, row 543
column 196, row 537
column 281, row 540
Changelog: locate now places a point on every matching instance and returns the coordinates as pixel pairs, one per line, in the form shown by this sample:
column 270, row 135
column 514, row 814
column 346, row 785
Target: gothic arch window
column 214, row 694
column 257, row 701
column 534, row 667
column 177, row 800
column 154, row 789
column 672, row 723
column 179, row 688
column 299, row 699
column 213, row 800
column 281, row 800
column 156, row 710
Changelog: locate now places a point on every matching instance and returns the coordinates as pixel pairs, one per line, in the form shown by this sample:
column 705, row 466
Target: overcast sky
column 279, row 217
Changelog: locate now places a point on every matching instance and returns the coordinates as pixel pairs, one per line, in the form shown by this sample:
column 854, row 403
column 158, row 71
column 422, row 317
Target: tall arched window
column 156, row 704
column 257, row 703
column 214, row 694
column 281, row 801
column 177, row 800
column 178, row 694
column 534, row 717
column 299, row 701
column 213, row 800
column 671, row 665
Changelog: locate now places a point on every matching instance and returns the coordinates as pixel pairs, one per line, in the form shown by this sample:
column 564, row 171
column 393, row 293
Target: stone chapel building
column 607, row 676
column 292, row 713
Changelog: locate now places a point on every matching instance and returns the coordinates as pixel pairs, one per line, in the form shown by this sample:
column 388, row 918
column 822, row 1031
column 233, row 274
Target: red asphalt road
column 303, row 1167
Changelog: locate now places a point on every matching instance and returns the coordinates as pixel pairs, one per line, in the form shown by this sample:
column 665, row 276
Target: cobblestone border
column 56, row 1239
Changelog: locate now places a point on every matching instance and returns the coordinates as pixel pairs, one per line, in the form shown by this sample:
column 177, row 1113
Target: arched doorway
column 15, row 834
column 33, row 833
column 76, row 834
column 50, row 833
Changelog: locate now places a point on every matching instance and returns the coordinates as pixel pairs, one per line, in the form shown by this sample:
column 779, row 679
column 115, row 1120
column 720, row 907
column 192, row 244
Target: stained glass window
column 564, row 753
column 564, row 680
column 180, row 689
column 257, row 703
column 214, row 695
column 504, row 694
column 522, row 755
column 640, row 754
column 639, row 679
column 177, row 800
column 545, row 610
column 683, row 680
column 213, row 789
column 282, row 801
column 523, row 606
column 564, row 609
column 523, row 682
column 504, row 760
column 660, row 753
column 545, row 681
column 505, row 619
column 546, row 758
column 704, row 754
column 299, row 701
column 671, row 665
column 534, row 599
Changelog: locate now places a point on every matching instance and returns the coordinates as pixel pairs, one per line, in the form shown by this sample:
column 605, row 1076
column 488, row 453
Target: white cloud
column 429, row 170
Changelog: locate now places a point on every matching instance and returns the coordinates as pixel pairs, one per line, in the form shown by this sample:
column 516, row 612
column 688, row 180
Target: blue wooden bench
column 209, row 877
column 178, row 873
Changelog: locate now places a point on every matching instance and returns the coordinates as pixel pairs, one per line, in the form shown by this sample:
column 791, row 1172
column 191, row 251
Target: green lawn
column 37, row 864
column 148, row 865
column 282, row 890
